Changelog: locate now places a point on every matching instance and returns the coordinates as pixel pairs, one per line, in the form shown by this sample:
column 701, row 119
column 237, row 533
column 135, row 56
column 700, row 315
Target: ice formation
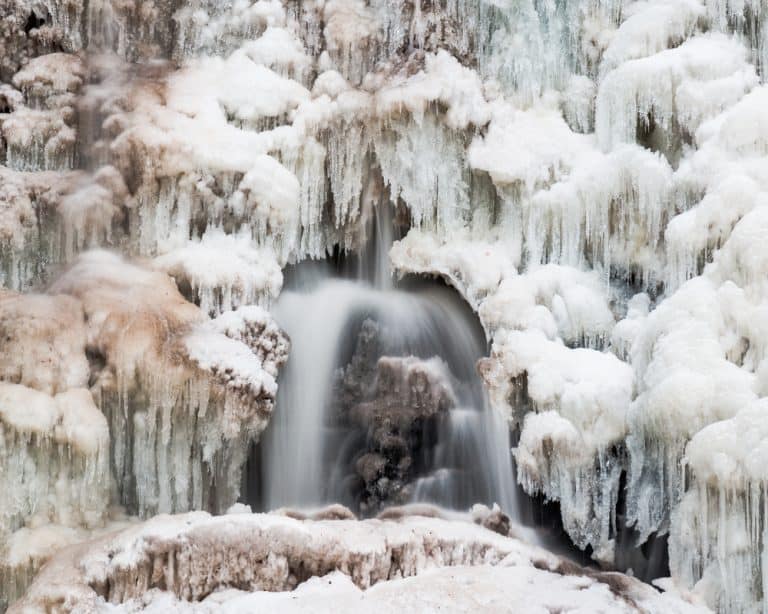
column 268, row 562
column 116, row 390
column 591, row 176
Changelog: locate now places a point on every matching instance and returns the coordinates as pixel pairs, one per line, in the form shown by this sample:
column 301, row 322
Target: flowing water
column 314, row 451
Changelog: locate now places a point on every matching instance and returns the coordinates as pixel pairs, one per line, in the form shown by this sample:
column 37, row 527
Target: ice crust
column 269, row 562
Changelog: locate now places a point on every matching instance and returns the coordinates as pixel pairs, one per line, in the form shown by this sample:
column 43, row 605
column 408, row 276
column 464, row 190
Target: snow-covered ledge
column 331, row 562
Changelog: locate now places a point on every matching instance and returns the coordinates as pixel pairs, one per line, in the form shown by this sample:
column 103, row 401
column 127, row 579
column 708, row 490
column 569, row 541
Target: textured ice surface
column 246, row 562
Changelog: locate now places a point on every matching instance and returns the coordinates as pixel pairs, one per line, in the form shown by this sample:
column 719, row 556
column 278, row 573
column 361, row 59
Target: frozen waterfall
column 399, row 275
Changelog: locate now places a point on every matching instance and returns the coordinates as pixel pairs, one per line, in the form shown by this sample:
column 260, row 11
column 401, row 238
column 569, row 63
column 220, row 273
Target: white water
column 468, row 435
column 304, row 453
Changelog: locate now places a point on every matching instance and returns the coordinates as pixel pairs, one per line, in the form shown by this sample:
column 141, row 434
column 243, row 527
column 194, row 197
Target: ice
column 268, row 562
column 40, row 132
column 351, row 34
column 474, row 267
column 729, row 170
column 563, row 302
column 55, row 455
column 443, row 80
column 40, row 140
column 92, row 212
column 579, row 103
column 555, row 184
column 553, row 459
column 669, row 94
column 538, row 147
column 205, row 27
column 181, row 412
column 651, row 27
column 223, row 272
column 580, row 216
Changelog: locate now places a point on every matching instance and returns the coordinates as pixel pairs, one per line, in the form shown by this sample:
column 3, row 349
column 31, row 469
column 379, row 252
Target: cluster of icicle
column 116, row 391
column 592, row 175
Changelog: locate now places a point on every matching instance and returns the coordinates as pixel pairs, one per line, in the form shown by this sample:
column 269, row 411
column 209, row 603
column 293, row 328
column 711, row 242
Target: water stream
column 380, row 402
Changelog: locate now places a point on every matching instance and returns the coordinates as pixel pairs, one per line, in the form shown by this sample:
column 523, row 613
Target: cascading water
column 410, row 421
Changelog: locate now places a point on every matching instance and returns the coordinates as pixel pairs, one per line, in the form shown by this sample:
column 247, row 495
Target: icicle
column 54, row 457
column 669, row 94
column 718, row 530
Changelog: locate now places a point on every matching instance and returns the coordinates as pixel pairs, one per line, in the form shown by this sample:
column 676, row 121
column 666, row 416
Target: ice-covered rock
column 222, row 272
column 183, row 399
column 264, row 562
column 669, row 94
column 719, row 527
column 570, row 442
column 55, row 455
column 29, row 548
column 55, row 440
column 723, row 180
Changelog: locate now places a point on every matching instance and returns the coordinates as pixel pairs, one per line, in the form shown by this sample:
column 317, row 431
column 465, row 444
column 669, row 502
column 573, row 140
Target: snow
column 443, row 80
column 223, row 272
column 268, row 562
column 684, row 85
column 454, row 590
column 54, row 457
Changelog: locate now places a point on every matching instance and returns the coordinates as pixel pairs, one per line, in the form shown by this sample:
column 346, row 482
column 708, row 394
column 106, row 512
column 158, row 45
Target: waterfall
column 378, row 330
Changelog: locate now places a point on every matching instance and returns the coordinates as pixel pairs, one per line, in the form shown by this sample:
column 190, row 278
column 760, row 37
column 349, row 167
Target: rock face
column 394, row 405
column 590, row 175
